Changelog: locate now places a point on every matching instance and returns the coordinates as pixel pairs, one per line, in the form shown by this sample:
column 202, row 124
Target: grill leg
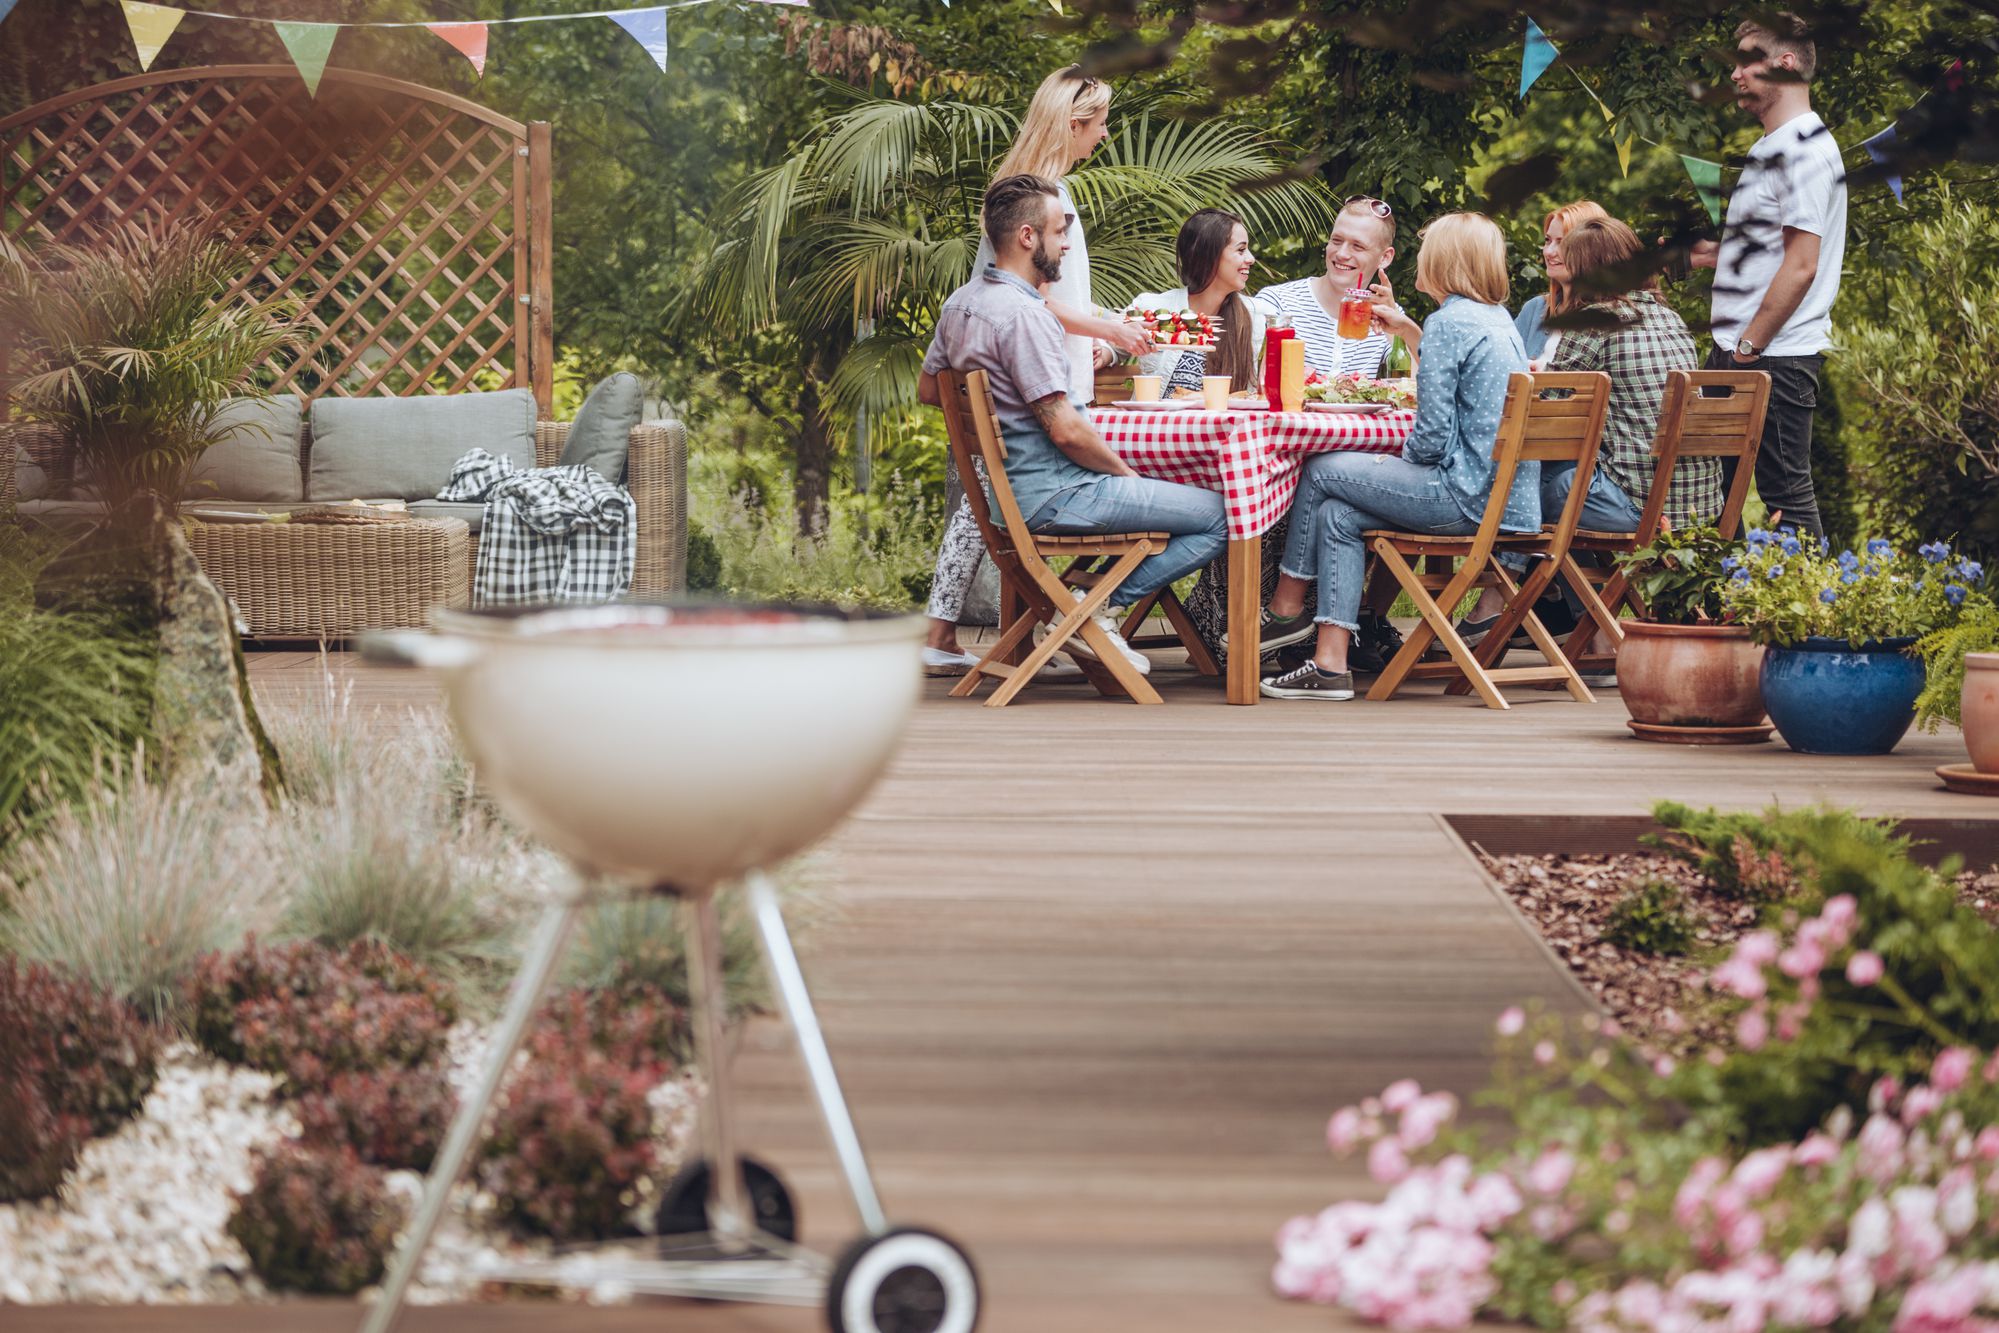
column 796, row 1002
column 536, row 968
column 728, row 1217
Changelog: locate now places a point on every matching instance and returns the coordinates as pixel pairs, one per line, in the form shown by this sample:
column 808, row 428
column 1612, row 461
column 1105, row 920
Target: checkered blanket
column 552, row 534
column 1252, row 458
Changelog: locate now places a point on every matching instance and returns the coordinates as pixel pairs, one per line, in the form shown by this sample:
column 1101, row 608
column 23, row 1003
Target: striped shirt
column 1325, row 351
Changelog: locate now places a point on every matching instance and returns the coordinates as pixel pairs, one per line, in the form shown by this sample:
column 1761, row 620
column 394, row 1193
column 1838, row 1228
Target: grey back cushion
column 403, row 448
column 257, row 457
column 601, row 435
column 30, row 482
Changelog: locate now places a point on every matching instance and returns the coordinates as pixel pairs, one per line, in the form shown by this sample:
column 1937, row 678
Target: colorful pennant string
column 468, row 39
column 6, row 8
column 151, row 26
column 648, row 29
column 1535, row 57
column 310, row 45
column 1706, row 177
column 1877, row 148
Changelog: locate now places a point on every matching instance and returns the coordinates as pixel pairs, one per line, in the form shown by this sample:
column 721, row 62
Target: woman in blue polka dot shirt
column 1440, row 482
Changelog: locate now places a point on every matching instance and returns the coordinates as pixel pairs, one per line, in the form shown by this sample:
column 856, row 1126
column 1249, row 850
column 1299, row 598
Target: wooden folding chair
column 1532, row 428
column 1704, row 414
column 1022, row 560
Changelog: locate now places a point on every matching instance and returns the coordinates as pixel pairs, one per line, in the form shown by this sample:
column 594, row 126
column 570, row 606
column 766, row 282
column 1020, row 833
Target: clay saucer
column 1703, row 735
column 1964, row 778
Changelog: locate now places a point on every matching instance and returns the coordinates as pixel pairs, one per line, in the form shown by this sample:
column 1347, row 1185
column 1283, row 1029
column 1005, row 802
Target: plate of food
column 1157, row 404
column 1182, row 329
column 1351, row 393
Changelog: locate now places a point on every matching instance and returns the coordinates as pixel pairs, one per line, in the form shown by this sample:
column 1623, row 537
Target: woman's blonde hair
column 1570, row 216
column 1463, row 254
column 1042, row 146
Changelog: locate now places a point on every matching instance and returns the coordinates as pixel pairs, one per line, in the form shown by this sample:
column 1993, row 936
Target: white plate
column 1158, row 404
column 1352, row 408
column 1249, row 404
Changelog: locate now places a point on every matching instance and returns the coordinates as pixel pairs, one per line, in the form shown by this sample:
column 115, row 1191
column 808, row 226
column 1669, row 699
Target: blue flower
column 1791, row 544
column 1828, row 596
column 1729, row 564
column 1824, row 545
column 1758, row 537
column 1954, row 593
column 1935, row 552
column 1775, row 571
column 1741, row 575
column 1879, row 546
column 1848, row 560
column 1970, row 571
column 1870, row 569
column 1849, row 577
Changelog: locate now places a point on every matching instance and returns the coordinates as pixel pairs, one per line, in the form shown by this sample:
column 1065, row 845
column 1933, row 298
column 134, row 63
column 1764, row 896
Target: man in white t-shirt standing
column 1778, row 262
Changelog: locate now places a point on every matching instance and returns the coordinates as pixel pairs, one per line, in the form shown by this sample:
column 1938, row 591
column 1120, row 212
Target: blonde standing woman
column 1068, row 118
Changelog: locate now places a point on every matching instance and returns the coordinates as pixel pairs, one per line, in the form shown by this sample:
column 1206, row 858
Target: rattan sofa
column 315, row 581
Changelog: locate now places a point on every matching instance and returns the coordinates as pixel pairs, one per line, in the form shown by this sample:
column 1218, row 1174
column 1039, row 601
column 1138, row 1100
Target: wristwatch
column 1745, row 348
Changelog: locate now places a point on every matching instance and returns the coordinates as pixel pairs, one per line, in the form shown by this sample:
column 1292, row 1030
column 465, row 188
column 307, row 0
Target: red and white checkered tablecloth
column 1252, row 458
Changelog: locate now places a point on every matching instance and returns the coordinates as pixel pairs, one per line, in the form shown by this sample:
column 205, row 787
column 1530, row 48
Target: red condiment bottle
column 1273, row 366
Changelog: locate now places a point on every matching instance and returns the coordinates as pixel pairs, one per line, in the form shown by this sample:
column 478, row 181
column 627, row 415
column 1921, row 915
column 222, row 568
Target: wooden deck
column 1100, row 972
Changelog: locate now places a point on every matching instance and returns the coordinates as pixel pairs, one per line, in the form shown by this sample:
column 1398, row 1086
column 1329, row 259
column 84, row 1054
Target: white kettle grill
column 683, row 747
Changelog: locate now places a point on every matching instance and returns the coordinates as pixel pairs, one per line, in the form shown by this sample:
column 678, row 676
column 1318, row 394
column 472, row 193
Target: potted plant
column 1961, row 683
column 1841, row 676
column 1686, row 673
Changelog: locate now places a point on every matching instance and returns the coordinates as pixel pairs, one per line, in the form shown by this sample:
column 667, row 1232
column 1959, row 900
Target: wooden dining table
column 1251, row 456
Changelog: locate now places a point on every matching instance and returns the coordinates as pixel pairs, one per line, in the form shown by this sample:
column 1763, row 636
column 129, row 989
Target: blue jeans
column 1196, row 518
column 1340, row 496
column 1605, row 509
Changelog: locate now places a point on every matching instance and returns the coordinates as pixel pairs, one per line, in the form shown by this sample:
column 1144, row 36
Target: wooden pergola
column 412, row 225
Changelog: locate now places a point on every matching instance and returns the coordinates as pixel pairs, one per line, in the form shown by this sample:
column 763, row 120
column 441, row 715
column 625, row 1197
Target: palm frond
column 878, row 374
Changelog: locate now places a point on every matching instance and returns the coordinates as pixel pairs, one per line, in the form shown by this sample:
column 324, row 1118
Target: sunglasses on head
column 1378, row 207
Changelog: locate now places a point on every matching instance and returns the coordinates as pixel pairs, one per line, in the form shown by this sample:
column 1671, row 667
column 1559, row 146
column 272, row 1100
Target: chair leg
column 1044, row 652
column 994, row 663
column 1113, row 661
column 1436, row 626
column 1198, row 655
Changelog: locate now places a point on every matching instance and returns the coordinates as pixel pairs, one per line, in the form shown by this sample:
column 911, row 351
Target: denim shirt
column 1469, row 349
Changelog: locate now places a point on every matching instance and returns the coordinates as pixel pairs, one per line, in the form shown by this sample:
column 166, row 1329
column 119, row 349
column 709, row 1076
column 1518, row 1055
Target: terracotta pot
column 1981, row 710
column 1690, row 675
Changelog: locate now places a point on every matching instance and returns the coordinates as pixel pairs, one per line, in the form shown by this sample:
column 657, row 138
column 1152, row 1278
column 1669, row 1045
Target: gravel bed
column 141, row 1218
column 1663, row 1001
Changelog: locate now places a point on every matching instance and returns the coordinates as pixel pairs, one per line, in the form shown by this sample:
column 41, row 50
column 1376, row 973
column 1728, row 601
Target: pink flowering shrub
column 1837, row 1168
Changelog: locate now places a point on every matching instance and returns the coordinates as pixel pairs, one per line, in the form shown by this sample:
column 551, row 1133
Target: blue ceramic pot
column 1828, row 697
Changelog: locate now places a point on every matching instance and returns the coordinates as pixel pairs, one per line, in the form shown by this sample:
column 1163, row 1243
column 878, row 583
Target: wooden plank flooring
column 1098, row 973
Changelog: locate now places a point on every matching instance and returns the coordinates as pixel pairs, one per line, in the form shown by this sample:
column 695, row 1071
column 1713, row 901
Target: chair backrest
column 1708, row 414
column 1009, row 541
column 963, row 438
column 1536, row 427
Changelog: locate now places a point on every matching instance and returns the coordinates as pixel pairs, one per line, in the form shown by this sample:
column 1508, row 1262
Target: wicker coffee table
column 331, row 581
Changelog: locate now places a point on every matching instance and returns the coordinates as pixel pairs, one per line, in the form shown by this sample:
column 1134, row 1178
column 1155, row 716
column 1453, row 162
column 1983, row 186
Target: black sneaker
column 1375, row 646
column 1277, row 633
column 1309, row 682
column 1473, row 632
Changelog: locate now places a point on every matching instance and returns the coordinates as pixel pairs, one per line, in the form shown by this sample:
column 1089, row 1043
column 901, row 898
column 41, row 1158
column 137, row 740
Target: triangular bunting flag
column 468, row 39
column 1623, row 153
column 6, row 8
column 309, row 44
column 1536, row 57
column 1877, row 148
column 1706, row 177
column 151, row 26
column 648, row 29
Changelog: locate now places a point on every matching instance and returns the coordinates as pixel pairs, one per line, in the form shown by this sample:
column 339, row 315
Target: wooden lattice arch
column 411, row 224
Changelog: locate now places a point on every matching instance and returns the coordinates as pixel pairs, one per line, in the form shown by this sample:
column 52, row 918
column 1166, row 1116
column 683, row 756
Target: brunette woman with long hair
column 1068, row 117
column 1215, row 263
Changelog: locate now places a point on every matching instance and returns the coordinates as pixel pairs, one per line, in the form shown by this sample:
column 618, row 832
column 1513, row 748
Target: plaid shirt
column 1649, row 343
column 553, row 534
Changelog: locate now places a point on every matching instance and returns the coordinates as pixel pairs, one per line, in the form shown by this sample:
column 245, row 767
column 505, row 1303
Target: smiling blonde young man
column 1357, row 255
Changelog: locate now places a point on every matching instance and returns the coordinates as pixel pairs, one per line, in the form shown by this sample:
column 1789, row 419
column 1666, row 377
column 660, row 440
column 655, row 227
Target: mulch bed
column 1664, row 1002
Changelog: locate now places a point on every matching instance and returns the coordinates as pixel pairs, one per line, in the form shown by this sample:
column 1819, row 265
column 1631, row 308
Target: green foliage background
column 1413, row 100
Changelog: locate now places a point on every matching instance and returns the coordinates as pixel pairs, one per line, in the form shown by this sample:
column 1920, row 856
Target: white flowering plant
column 1836, row 1167
column 1788, row 587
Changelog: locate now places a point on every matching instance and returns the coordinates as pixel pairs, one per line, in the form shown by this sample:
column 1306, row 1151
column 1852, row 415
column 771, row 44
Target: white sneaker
column 941, row 662
column 1108, row 623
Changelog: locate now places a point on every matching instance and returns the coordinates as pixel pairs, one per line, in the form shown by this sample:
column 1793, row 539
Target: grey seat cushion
column 403, row 448
column 257, row 459
column 473, row 514
column 601, row 435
